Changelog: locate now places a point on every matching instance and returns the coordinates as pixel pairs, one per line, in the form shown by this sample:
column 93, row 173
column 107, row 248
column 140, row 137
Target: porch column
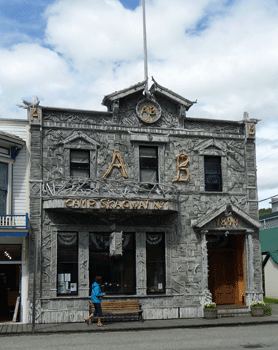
column 206, row 294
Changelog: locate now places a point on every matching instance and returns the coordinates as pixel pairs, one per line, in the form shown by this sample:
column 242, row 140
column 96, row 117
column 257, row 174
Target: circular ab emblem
column 148, row 111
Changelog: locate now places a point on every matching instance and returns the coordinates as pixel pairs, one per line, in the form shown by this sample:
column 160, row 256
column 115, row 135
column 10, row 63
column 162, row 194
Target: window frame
column 142, row 168
column 209, row 187
column 76, row 263
column 163, row 262
column 106, row 251
column 78, row 166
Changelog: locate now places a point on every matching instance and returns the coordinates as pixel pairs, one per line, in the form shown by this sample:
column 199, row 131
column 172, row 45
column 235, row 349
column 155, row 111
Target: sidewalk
column 7, row 329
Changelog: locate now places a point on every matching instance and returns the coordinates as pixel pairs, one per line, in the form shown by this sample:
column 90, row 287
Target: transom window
column 213, row 177
column 148, row 164
column 80, row 163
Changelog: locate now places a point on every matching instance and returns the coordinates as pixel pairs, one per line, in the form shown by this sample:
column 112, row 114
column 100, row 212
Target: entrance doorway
column 226, row 279
column 9, row 290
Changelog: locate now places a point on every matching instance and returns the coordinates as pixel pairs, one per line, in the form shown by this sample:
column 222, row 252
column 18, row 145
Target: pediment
column 211, row 147
column 79, row 138
column 226, row 218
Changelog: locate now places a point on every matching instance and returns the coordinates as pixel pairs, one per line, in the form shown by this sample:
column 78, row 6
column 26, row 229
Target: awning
column 13, row 234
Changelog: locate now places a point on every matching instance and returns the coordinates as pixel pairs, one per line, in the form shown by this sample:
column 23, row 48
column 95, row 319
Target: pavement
column 10, row 328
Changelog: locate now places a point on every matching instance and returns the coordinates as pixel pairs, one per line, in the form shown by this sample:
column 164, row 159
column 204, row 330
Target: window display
column 155, row 254
column 67, row 267
column 118, row 272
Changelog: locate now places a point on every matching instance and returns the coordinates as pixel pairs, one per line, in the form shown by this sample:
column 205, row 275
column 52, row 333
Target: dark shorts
column 98, row 311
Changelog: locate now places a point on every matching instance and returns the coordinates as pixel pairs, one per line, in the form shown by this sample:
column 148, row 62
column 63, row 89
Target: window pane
column 213, row 179
column 118, row 273
column 148, row 152
column 3, row 187
column 155, row 255
column 148, row 176
column 80, row 163
column 79, row 156
column 80, row 173
column 67, row 267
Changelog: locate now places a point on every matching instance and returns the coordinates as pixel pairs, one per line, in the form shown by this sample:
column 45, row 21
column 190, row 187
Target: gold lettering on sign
column 91, row 203
column 35, row 113
column 251, row 129
column 126, row 204
column 223, row 222
column 121, row 166
column 181, row 167
column 150, row 111
column 121, row 204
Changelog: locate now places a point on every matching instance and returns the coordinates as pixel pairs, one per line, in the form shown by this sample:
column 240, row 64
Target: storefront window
column 118, row 272
column 67, row 267
column 155, row 254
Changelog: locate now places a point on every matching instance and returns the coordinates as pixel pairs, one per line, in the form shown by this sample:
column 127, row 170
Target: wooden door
column 226, row 278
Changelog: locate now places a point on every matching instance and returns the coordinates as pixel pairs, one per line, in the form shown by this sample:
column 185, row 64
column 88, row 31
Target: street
column 248, row 337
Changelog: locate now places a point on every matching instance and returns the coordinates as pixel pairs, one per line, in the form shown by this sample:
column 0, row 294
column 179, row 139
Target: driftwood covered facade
column 178, row 195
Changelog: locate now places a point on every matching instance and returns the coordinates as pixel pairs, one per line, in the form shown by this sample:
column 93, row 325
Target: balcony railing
column 66, row 187
column 14, row 221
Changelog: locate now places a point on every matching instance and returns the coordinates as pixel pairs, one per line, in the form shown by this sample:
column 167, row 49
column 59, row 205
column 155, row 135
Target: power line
column 267, row 198
column 267, row 139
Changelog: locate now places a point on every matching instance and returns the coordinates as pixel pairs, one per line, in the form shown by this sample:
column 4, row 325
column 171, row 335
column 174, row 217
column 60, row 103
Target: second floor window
column 148, row 164
column 80, row 163
column 213, row 178
column 3, row 187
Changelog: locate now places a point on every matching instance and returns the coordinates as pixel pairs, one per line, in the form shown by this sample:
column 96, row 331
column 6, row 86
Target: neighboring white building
column 271, row 275
column 14, row 209
column 269, row 247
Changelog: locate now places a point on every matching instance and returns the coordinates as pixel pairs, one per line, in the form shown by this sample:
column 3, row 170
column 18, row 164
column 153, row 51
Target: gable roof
column 214, row 213
column 155, row 89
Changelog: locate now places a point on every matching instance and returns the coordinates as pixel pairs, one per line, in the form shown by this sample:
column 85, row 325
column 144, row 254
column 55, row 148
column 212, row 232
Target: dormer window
column 80, row 163
column 148, row 164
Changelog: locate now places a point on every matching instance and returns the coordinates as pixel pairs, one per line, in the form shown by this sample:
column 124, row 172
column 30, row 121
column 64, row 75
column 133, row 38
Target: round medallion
column 148, row 111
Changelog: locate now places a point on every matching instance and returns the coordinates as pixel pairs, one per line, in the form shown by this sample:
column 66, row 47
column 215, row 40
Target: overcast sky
column 224, row 53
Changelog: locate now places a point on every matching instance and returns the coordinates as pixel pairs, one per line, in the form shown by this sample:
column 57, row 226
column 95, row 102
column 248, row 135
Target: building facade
column 162, row 206
column 269, row 248
column 14, row 208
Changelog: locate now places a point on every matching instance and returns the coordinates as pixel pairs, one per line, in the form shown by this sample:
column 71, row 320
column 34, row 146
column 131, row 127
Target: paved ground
column 20, row 328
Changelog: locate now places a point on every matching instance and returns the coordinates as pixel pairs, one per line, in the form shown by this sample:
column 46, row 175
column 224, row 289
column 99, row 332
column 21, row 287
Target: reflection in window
column 67, row 267
column 155, row 251
column 3, row 187
column 118, row 272
column 213, row 180
column 148, row 164
column 80, row 163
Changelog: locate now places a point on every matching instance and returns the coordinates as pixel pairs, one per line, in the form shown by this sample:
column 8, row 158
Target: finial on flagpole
column 145, row 48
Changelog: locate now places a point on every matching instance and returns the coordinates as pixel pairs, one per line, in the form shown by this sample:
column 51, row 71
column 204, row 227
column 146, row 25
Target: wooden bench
column 119, row 308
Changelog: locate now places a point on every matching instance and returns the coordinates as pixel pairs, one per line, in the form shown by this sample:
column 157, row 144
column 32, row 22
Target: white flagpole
column 145, row 47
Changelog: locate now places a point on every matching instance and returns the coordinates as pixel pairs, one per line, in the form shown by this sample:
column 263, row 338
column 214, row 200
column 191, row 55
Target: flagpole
column 145, row 47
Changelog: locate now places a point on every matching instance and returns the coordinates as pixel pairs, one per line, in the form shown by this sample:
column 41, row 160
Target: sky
column 223, row 53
